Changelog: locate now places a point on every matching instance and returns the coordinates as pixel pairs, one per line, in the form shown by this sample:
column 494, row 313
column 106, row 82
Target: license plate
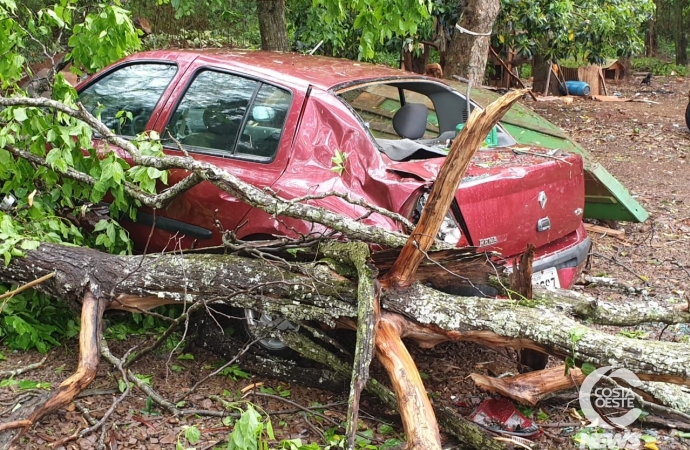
column 547, row 278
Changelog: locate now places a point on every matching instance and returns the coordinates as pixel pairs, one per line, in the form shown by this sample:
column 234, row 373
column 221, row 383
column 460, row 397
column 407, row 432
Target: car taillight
column 449, row 232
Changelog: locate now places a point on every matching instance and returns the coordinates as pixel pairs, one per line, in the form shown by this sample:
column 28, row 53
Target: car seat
column 222, row 121
column 410, row 121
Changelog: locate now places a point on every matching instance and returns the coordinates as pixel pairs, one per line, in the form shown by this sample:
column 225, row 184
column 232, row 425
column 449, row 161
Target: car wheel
column 687, row 115
column 253, row 320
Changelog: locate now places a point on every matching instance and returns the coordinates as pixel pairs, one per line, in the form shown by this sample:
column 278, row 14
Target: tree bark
column 272, row 25
column 541, row 71
column 681, row 33
column 312, row 291
column 468, row 53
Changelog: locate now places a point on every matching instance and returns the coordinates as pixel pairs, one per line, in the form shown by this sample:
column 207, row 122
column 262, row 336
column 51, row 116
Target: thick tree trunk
column 272, row 25
column 540, row 70
column 468, row 53
column 314, row 292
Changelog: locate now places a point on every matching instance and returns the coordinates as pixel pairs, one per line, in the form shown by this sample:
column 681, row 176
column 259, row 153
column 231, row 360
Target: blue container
column 576, row 88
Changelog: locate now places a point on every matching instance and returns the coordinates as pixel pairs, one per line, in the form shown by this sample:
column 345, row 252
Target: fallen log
column 313, row 291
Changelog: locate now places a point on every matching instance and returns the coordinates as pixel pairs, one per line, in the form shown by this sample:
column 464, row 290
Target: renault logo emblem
column 542, row 199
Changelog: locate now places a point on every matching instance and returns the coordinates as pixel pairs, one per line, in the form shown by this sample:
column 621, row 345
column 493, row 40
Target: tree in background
column 584, row 30
column 359, row 25
column 671, row 23
column 271, row 14
column 469, row 49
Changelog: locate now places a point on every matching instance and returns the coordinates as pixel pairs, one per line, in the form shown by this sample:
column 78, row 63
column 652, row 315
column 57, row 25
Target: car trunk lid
column 512, row 197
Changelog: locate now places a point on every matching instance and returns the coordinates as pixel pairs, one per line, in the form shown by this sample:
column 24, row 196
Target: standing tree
column 585, row 30
column 469, row 47
column 272, row 25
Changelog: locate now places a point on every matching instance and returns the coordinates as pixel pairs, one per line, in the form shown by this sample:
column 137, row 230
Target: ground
column 645, row 145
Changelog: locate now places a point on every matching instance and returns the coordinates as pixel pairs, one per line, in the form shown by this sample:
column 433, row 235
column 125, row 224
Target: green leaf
column 19, row 114
column 192, row 434
column 386, row 429
column 588, row 368
column 28, row 244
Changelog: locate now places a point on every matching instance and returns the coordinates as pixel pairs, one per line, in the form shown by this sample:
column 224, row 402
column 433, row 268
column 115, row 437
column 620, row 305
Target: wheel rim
column 256, row 318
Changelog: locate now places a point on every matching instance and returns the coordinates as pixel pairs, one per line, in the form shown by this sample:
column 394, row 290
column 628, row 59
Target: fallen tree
column 383, row 296
column 314, row 291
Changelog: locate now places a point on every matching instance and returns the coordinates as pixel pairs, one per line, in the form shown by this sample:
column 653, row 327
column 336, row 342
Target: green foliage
column 191, row 434
column 658, row 67
column 339, row 160
column 634, row 334
column 234, row 373
column 115, row 37
column 122, row 326
column 24, row 385
column 584, row 29
column 32, row 320
column 356, row 27
column 280, row 391
column 250, row 431
column 43, row 205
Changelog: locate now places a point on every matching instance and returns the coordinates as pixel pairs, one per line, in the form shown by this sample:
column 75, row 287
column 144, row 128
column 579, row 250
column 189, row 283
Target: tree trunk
column 626, row 62
column 681, row 34
column 468, row 53
column 437, row 316
column 272, row 25
column 650, row 39
column 541, row 70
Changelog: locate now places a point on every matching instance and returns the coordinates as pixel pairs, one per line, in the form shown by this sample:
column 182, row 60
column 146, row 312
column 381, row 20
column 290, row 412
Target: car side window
column 210, row 114
column 225, row 114
column 261, row 134
column 134, row 89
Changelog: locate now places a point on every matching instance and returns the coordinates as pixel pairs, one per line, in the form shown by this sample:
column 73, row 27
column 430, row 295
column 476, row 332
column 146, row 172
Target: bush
column 658, row 67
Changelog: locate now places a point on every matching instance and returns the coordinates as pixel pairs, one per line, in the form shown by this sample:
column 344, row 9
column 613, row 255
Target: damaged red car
column 278, row 120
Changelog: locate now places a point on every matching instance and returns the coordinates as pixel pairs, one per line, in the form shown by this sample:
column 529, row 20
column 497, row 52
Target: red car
column 278, row 120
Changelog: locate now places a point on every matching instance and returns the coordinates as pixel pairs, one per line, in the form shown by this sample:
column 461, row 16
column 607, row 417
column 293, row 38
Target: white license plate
column 547, row 278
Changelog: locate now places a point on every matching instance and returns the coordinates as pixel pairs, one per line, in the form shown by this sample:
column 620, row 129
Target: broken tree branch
column 444, row 188
column 89, row 337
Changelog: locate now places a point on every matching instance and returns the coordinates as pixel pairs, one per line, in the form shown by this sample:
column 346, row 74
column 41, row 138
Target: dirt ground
column 645, row 145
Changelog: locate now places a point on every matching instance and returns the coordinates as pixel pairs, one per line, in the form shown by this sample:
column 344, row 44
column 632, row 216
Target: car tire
column 687, row 115
column 250, row 319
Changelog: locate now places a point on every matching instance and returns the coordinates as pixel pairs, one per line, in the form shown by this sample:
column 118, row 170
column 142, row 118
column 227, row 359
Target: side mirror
column 263, row 113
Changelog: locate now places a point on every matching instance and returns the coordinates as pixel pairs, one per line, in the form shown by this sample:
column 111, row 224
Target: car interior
column 413, row 120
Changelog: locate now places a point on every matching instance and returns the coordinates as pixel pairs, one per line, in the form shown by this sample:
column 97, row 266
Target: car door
column 126, row 96
column 235, row 122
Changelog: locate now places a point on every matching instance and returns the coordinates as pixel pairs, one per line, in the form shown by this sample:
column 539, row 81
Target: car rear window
column 377, row 105
column 225, row 114
column 126, row 97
